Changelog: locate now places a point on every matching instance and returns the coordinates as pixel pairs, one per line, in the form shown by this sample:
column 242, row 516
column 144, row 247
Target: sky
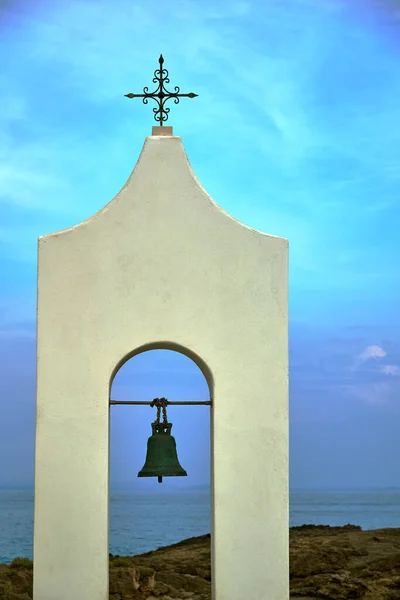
column 295, row 132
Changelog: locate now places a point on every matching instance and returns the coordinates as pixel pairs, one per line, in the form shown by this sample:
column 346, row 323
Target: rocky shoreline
column 326, row 563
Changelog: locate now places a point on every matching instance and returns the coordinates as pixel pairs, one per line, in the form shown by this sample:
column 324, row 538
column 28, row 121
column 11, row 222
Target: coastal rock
column 353, row 563
column 326, row 563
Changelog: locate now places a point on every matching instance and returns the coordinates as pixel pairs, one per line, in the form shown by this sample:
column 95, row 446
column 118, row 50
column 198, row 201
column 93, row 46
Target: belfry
column 162, row 266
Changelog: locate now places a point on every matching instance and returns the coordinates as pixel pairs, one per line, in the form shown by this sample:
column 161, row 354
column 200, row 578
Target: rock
column 22, row 580
column 353, row 564
column 326, row 563
column 338, row 586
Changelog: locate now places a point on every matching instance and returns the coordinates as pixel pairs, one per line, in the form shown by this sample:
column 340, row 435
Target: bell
column 161, row 458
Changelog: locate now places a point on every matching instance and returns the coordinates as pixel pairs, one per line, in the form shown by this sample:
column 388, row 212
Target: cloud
column 374, row 393
column 390, row 370
column 372, row 352
column 325, row 381
column 376, row 352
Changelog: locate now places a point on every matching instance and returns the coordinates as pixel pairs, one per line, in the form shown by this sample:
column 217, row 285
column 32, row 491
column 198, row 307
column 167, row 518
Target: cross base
column 164, row 130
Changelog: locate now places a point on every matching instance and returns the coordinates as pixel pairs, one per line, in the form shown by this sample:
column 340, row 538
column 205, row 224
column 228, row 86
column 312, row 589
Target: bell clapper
column 160, row 479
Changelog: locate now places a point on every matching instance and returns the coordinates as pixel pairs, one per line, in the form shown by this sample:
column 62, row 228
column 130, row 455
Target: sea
column 142, row 521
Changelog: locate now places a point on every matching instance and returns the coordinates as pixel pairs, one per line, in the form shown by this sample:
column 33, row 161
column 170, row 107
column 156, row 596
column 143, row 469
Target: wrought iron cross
column 161, row 94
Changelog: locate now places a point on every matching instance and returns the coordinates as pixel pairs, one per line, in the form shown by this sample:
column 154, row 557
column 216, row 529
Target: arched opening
column 143, row 514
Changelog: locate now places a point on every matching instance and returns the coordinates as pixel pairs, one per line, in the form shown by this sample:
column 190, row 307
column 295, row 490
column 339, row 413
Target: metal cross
column 161, row 94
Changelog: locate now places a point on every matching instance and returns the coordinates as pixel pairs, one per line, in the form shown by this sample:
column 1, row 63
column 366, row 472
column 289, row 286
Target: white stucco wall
column 163, row 265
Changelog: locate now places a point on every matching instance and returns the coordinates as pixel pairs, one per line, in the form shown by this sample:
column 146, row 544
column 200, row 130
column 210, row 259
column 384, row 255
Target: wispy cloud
column 372, row 352
column 390, row 369
column 16, row 333
column 375, row 393
column 375, row 354
column 268, row 75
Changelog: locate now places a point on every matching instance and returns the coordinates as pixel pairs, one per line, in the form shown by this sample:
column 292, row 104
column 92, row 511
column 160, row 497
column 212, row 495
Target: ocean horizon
column 143, row 520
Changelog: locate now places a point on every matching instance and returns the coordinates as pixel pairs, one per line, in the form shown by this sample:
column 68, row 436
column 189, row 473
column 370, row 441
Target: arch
column 204, row 368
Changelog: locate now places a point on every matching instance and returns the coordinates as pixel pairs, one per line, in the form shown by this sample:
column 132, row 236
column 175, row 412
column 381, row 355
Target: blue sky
column 295, row 133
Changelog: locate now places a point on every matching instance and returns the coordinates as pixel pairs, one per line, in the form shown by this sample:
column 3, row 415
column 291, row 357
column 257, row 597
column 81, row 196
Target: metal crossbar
column 148, row 402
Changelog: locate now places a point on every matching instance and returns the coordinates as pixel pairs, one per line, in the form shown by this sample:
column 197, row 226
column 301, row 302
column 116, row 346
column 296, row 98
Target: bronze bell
column 161, row 458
